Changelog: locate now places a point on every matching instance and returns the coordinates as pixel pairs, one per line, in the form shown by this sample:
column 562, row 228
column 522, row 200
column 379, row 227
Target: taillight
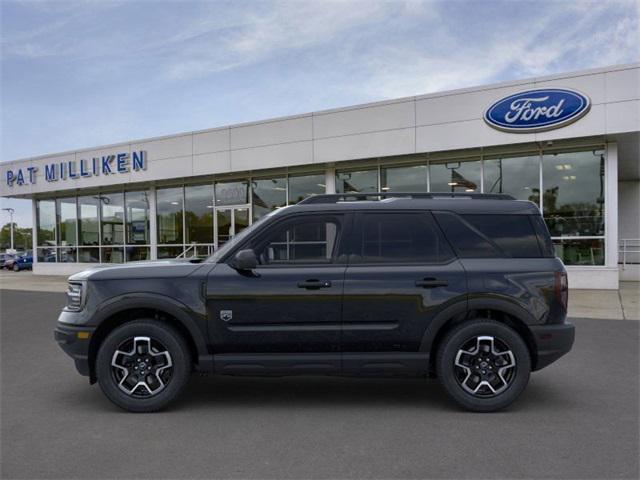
column 562, row 288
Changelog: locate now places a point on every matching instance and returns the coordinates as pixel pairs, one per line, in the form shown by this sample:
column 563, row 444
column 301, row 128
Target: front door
column 401, row 274
column 229, row 222
column 292, row 302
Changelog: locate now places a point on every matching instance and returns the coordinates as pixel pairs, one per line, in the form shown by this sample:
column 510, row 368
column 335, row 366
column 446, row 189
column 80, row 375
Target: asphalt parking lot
column 577, row 419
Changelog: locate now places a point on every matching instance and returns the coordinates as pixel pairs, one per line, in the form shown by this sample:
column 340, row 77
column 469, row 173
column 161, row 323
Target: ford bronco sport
column 465, row 287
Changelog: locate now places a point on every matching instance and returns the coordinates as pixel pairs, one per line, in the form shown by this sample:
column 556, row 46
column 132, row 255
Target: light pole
column 11, row 212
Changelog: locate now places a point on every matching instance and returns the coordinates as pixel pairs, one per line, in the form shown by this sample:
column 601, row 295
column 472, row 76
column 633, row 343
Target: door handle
column 431, row 283
column 314, row 284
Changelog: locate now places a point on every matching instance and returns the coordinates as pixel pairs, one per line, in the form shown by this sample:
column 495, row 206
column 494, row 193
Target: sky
column 87, row 73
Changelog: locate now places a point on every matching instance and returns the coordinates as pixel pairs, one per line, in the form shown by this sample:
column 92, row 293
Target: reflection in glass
column 112, row 255
column 404, row 179
column 303, row 186
column 363, row 181
column 457, row 176
column 135, row 254
column 240, row 220
column 88, row 220
column 47, row 254
column 89, row 255
column 198, row 213
column 67, row 254
column 580, row 251
column 574, row 193
column 267, row 195
column 112, row 218
column 169, row 206
column 137, row 217
column 169, row 252
column 67, row 222
column 232, row 193
column 223, row 218
column 46, row 217
column 516, row 176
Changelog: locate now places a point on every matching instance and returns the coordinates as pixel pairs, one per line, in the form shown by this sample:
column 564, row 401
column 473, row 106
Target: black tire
column 453, row 377
column 176, row 376
column 16, row 268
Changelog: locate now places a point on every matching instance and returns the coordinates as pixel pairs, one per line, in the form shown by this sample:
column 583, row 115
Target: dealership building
column 569, row 142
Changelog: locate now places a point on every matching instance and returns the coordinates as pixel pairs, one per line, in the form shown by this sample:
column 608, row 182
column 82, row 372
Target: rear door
column 401, row 273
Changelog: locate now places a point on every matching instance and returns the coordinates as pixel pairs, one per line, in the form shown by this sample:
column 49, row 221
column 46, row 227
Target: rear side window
column 491, row 236
column 544, row 238
column 398, row 237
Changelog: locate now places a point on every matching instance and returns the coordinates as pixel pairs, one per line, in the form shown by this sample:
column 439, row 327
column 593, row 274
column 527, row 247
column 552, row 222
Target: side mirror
column 245, row 260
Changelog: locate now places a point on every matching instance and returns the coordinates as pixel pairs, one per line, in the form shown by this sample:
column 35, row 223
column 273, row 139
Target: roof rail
column 354, row 197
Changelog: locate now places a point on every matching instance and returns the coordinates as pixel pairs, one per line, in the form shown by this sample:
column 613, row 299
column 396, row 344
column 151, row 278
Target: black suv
column 465, row 287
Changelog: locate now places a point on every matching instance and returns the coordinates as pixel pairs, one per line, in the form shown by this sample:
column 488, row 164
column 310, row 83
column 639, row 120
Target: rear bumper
column 552, row 342
column 75, row 343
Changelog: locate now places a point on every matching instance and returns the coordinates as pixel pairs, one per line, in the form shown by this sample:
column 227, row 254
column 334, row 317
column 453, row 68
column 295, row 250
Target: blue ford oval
column 537, row 110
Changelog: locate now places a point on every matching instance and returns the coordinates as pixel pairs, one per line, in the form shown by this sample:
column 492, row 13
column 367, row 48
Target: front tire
column 16, row 268
column 143, row 365
column 484, row 365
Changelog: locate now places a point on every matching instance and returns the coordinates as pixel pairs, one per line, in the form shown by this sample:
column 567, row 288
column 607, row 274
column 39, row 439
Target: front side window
column 308, row 240
column 401, row 238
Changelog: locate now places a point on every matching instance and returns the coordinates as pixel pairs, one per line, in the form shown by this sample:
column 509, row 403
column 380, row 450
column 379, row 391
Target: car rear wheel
column 484, row 365
column 143, row 365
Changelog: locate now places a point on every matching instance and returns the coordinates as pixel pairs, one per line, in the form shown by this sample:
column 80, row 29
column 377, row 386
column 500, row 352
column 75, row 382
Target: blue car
column 23, row 262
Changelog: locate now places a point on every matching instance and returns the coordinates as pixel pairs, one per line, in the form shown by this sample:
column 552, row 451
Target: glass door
column 229, row 222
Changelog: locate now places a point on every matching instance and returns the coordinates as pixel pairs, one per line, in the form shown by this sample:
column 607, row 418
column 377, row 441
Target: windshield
column 224, row 249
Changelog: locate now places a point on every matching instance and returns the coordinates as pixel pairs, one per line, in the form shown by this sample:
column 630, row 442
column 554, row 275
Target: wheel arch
column 124, row 310
column 500, row 309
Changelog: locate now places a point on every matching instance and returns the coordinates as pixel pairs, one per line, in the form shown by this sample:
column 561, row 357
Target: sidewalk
column 620, row 304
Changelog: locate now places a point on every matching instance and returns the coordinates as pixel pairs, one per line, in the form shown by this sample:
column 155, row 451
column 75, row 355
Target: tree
column 21, row 237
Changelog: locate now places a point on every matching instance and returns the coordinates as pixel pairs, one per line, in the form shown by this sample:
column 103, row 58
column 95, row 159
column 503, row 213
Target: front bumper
column 552, row 342
column 74, row 340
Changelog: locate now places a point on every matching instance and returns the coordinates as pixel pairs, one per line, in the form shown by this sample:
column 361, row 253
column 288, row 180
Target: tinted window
column 514, row 234
column 305, row 240
column 401, row 237
column 490, row 236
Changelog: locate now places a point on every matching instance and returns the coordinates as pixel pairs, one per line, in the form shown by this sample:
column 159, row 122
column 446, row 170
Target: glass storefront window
column 268, row 194
column 580, row 251
column 404, row 179
column 134, row 254
column 112, row 255
column 46, row 217
column 89, row 255
column 303, row 186
column 455, row 176
column 112, row 218
column 67, row 221
column 169, row 207
column 67, row 254
column 88, row 220
column 137, row 217
column 516, row 176
column 198, row 213
column 169, row 252
column 47, row 254
column 573, row 200
column 232, row 193
column 361, row 181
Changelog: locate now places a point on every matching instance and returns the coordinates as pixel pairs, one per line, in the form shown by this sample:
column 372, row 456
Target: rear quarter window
column 490, row 235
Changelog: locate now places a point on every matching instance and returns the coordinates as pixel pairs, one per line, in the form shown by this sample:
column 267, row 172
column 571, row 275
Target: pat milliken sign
column 105, row 165
column 537, row 110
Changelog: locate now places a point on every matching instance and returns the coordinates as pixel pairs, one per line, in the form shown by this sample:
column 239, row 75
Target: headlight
column 75, row 297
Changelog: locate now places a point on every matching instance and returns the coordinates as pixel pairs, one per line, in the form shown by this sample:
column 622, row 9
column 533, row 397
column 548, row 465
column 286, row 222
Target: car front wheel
column 143, row 365
column 484, row 365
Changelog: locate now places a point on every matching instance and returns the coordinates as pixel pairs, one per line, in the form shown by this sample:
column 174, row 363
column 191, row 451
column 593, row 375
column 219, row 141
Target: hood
column 170, row 268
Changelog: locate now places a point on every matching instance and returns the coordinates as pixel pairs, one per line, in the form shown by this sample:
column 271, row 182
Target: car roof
column 463, row 204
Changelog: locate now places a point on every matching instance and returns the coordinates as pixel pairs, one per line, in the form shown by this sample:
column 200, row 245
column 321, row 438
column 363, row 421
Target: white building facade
column 569, row 142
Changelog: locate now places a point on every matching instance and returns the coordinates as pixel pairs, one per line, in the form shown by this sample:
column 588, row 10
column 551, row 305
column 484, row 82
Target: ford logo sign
column 537, row 110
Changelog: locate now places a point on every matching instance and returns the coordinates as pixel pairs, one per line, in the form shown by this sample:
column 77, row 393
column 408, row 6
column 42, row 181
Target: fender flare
column 182, row 313
column 494, row 302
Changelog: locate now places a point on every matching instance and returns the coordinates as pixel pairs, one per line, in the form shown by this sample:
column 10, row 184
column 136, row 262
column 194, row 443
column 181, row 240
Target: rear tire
column 483, row 365
column 143, row 365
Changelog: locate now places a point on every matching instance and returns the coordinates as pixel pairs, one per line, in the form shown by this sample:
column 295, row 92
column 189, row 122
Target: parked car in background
column 7, row 260
column 23, row 262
